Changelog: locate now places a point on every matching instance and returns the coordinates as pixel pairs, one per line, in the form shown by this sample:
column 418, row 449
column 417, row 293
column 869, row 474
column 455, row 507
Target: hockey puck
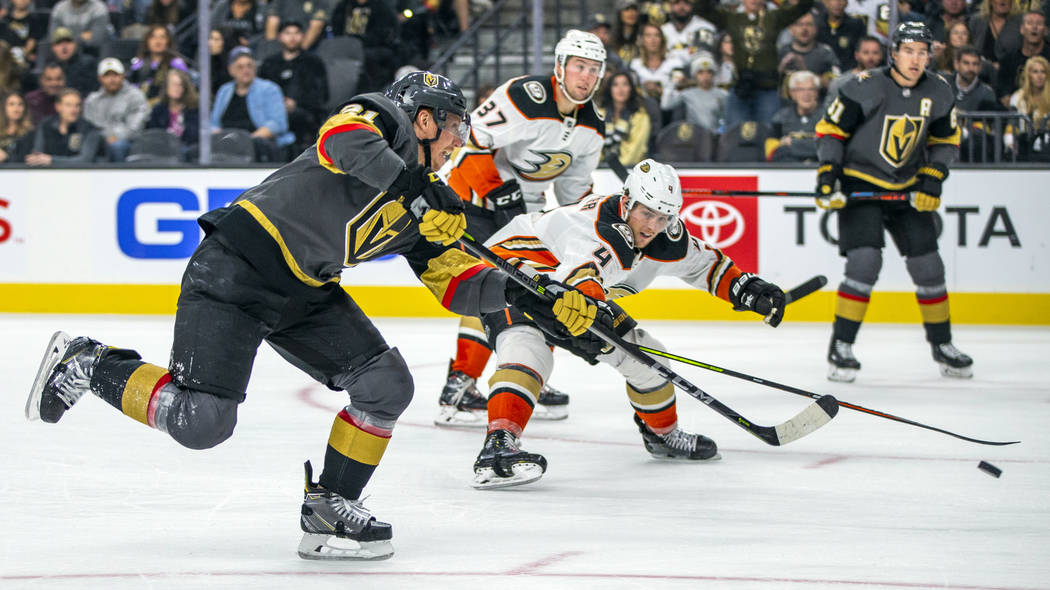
column 990, row 469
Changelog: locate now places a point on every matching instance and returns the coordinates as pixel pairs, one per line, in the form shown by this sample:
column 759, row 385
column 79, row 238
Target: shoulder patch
column 535, row 91
column 625, row 231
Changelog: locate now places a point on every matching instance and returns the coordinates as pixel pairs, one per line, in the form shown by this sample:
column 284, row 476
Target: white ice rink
column 100, row 501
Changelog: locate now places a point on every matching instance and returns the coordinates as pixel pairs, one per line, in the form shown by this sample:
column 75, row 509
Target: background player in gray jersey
column 891, row 129
column 269, row 268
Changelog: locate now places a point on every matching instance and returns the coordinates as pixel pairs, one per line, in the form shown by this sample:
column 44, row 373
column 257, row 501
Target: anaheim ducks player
column 893, row 129
column 533, row 133
column 604, row 247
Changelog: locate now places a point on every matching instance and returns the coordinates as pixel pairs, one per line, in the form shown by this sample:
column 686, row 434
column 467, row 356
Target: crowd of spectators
column 724, row 80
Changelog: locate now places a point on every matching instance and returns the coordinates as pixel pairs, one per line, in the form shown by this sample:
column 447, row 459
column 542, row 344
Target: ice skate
column 551, row 405
column 502, row 463
column 842, row 365
column 677, row 444
column 337, row 528
column 952, row 361
column 461, row 404
column 63, row 377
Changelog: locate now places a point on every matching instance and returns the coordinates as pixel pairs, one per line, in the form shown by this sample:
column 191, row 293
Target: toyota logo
column 719, row 224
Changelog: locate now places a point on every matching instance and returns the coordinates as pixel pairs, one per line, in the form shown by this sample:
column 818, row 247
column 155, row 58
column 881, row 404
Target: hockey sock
column 850, row 307
column 129, row 384
column 355, row 446
column 472, row 348
column 935, row 320
column 514, row 390
column 656, row 407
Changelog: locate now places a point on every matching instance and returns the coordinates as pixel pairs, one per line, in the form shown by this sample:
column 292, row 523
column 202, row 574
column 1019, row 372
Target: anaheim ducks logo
column 430, row 79
column 900, row 137
column 544, row 165
column 374, row 228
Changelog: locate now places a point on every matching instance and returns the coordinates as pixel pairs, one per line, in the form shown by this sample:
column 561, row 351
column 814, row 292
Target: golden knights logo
column 901, row 135
column 430, row 79
column 545, row 165
column 368, row 234
column 644, row 167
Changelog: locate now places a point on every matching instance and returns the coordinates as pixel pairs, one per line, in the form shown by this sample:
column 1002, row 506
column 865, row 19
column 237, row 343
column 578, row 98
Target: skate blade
column 680, row 459
column 450, row 417
column 542, row 412
column 956, row 372
column 841, row 375
column 58, row 345
column 322, row 546
column 523, row 473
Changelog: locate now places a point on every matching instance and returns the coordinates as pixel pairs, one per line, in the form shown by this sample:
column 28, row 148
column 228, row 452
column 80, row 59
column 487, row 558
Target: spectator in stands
column 805, row 53
column 1033, row 43
column 869, row 55
column 15, row 128
column 684, row 31
column 726, row 72
column 654, row 66
column 118, row 109
column 24, row 29
column 1033, row 97
column 218, row 46
column 177, row 111
column 313, row 13
column 794, row 137
column 949, row 13
column 168, row 13
column 625, row 33
column 87, row 20
column 149, row 69
column 705, row 103
column 970, row 93
column 12, row 74
column 754, row 33
column 65, row 137
column 627, row 124
column 302, row 79
column 78, row 66
column 958, row 36
column 996, row 29
column 255, row 105
column 842, row 32
column 240, row 17
column 600, row 26
column 375, row 23
column 41, row 102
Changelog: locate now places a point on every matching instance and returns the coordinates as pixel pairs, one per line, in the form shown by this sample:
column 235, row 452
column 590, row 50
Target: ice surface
column 100, row 501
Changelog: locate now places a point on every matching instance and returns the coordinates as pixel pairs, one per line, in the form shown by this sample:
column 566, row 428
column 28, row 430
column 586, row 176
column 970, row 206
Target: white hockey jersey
column 589, row 246
column 519, row 134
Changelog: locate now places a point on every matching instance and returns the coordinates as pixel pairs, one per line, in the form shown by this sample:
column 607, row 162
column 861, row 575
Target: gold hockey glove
column 574, row 311
column 927, row 193
column 925, row 202
column 442, row 226
column 827, row 193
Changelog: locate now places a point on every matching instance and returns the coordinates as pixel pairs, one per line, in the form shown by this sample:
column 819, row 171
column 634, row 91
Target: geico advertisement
column 139, row 226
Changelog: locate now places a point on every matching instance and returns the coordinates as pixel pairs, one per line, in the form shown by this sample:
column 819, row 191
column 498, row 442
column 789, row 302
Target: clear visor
column 651, row 217
column 458, row 127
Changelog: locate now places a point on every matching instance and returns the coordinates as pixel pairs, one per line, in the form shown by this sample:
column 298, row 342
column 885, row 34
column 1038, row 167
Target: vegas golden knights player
column 890, row 129
column 269, row 269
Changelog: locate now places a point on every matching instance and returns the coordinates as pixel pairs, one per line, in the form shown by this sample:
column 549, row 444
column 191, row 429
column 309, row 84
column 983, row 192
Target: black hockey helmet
column 912, row 31
column 434, row 91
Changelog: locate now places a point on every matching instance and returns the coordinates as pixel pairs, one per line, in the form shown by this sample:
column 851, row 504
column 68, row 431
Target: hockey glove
column 570, row 312
column 438, row 208
column 829, row 196
column 927, row 193
column 507, row 202
column 410, row 182
column 750, row 293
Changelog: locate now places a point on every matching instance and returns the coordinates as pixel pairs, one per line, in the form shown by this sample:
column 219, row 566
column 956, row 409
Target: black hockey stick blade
column 811, row 286
column 816, row 396
column 810, row 419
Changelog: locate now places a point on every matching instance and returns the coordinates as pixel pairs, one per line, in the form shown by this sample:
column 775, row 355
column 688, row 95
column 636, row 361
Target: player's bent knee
column 525, row 345
column 926, row 269
column 198, row 420
column 864, row 264
column 382, row 386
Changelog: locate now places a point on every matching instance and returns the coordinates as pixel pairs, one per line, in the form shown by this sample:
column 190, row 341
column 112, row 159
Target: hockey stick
column 811, row 286
column 809, row 394
column 813, row 417
column 621, row 173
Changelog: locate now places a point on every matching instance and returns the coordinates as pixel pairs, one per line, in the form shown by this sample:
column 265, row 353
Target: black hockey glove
column 410, row 182
column 437, row 207
column 507, row 202
column 750, row 293
column 829, row 195
column 926, row 193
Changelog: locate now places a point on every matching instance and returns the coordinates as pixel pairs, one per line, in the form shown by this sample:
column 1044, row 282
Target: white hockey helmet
column 579, row 44
column 656, row 186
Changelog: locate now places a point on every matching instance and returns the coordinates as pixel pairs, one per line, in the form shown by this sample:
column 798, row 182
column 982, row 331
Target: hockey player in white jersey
column 605, row 247
column 532, row 134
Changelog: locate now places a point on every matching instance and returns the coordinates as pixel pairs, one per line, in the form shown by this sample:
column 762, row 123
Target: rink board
column 117, row 241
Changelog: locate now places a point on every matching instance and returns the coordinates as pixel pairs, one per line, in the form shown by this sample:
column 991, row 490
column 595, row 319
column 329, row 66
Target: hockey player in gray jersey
column 890, row 129
column 269, row 269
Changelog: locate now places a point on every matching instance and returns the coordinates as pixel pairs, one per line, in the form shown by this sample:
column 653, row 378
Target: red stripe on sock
column 932, row 301
column 364, row 426
column 853, row 297
column 154, row 399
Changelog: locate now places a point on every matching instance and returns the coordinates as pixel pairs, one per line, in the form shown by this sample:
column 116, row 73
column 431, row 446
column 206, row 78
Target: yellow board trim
column 271, row 229
column 356, row 444
column 138, row 391
column 651, row 304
